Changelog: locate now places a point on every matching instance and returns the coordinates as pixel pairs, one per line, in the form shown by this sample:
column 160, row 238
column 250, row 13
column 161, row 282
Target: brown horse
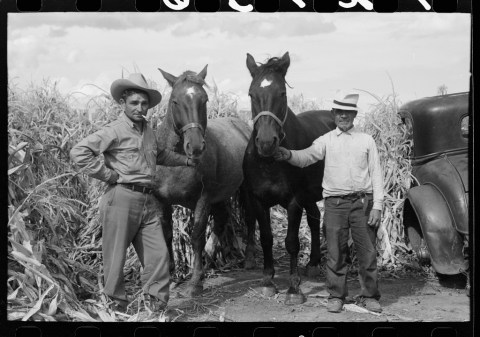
column 270, row 183
column 205, row 189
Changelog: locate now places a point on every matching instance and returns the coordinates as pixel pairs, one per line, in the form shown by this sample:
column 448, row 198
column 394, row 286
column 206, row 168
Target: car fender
column 444, row 243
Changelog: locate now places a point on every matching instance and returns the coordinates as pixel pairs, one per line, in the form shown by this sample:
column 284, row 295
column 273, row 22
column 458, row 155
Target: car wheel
column 415, row 237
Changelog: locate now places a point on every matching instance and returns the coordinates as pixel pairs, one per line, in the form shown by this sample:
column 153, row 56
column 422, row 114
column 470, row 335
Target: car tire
column 415, row 236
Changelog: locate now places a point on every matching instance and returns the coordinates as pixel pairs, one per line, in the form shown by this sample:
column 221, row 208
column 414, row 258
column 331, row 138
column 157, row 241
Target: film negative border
column 320, row 6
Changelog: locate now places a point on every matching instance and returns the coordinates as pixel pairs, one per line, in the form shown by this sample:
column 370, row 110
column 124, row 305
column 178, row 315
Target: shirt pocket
column 360, row 159
column 128, row 159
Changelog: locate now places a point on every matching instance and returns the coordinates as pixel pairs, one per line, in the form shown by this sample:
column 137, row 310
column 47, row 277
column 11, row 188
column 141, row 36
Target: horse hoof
column 313, row 271
column 269, row 291
column 249, row 264
column 292, row 299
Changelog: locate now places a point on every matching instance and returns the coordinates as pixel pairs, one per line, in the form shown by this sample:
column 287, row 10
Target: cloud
column 256, row 25
column 430, row 26
column 110, row 21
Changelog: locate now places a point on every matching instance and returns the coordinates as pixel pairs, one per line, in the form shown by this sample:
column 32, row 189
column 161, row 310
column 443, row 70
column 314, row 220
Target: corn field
column 54, row 236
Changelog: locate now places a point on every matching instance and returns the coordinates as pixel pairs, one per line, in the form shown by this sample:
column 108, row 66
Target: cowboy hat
column 349, row 102
column 135, row 81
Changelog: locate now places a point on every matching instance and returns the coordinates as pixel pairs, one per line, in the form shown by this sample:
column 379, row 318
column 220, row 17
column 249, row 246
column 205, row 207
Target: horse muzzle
column 267, row 148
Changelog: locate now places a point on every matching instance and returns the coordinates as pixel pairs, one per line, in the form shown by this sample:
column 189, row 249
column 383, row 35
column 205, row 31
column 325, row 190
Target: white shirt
column 352, row 163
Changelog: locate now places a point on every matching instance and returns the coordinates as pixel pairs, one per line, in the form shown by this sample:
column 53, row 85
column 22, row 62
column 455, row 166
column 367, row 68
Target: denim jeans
column 342, row 215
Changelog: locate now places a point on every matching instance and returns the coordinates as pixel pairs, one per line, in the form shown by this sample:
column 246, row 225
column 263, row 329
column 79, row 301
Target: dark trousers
column 342, row 215
column 133, row 217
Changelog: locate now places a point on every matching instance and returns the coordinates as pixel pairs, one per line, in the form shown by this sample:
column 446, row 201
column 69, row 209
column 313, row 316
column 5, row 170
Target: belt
column 352, row 196
column 138, row 188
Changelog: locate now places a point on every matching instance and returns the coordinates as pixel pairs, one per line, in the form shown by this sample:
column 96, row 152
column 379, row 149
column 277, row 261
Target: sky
column 331, row 54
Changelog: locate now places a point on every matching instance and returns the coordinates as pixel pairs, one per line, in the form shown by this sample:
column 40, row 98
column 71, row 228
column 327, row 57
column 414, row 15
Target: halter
column 186, row 127
column 275, row 118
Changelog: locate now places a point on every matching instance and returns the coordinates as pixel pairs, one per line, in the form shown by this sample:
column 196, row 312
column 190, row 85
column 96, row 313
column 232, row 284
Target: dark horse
column 270, row 183
column 205, row 189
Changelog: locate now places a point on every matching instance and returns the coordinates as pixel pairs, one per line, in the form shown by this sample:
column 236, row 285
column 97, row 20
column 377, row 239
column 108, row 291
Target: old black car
column 436, row 212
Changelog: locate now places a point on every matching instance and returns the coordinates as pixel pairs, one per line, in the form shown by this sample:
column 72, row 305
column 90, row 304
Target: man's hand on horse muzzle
column 282, row 154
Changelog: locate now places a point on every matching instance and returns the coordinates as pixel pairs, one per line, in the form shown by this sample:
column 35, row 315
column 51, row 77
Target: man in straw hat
column 353, row 192
column 128, row 210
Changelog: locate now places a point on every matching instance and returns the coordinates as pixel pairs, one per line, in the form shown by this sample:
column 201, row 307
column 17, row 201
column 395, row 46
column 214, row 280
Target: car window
column 464, row 126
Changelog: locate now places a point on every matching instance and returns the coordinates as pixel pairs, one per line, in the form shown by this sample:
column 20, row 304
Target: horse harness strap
column 192, row 125
column 268, row 113
column 186, row 127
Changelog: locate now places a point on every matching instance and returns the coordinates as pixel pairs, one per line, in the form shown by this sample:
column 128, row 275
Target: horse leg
column 167, row 226
column 266, row 239
column 313, row 220
column 218, row 238
column 202, row 210
column 292, row 243
column 246, row 201
column 220, row 217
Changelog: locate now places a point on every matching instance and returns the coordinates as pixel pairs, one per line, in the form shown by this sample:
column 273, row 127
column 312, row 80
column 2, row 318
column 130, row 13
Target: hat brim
column 343, row 107
column 119, row 86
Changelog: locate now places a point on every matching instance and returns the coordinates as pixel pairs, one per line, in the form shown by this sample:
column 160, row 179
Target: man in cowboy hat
column 353, row 192
column 128, row 210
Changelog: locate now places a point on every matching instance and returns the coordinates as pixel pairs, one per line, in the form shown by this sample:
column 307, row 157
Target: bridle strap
column 192, row 125
column 181, row 131
column 268, row 113
column 275, row 118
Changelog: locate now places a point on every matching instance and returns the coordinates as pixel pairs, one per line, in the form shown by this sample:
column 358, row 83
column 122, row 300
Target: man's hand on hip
column 113, row 178
column 282, row 154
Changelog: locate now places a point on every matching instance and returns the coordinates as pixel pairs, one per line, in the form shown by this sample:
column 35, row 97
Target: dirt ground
column 235, row 296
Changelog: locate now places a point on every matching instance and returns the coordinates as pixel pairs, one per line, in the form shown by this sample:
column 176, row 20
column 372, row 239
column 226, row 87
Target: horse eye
column 175, row 102
column 283, row 94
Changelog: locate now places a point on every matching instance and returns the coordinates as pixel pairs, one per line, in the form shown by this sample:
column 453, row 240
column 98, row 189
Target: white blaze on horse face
column 191, row 92
column 265, row 83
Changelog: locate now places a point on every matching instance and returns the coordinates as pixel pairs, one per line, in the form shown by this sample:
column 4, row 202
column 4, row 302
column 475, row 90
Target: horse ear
column 285, row 63
column 203, row 73
column 251, row 65
column 169, row 77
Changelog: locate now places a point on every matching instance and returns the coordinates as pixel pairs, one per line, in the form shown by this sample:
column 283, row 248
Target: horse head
column 187, row 109
column 268, row 96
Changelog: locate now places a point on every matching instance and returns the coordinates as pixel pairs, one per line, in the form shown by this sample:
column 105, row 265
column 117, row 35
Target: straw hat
column 135, row 81
column 349, row 102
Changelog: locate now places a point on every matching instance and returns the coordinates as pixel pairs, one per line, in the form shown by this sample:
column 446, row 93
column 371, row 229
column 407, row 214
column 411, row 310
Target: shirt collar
column 338, row 132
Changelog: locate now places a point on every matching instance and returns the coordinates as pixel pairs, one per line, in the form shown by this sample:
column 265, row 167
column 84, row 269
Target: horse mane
column 191, row 76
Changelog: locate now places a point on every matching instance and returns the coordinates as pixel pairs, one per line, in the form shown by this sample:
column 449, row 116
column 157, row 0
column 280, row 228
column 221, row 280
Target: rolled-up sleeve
column 85, row 154
column 310, row 155
column 376, row 175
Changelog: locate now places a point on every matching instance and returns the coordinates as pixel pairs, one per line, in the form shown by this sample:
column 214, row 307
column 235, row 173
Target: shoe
column 370, row 304
column 335, row 305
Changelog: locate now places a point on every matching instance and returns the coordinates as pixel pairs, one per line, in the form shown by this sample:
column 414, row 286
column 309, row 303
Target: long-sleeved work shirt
column 352, row 163
column 128, row 150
